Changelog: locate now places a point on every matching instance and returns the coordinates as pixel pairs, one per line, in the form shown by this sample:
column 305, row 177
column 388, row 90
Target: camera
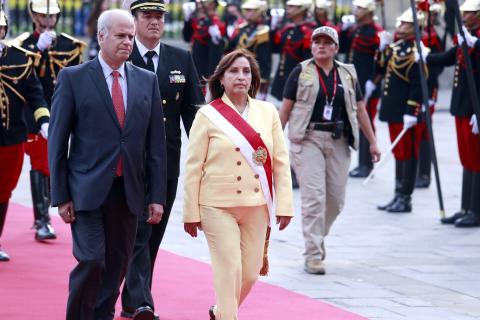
column 338, row 130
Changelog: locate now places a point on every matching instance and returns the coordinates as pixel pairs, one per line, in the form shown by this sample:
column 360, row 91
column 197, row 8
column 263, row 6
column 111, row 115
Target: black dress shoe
column 4, row 256
column 211, row 314
column 143, row 313
column 127, row 314
column 422, row 182
column 471, row 219
column 403, row 204
column 45, row 232
column 451, row 220
column 360, row 172
column 388, row 205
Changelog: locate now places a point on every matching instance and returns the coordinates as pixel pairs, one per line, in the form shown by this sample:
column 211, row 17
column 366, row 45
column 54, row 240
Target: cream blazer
column 218, row 175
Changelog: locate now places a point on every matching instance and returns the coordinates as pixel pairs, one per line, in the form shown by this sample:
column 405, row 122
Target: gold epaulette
column 263, row 34
column 18, row 41
column 35, row 56
column 75, row 41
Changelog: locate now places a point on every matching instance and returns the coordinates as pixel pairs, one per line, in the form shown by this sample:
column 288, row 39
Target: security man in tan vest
column 323, row 105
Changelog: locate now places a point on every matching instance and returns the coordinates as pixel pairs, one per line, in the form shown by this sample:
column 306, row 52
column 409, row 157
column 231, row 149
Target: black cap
column 148, row 5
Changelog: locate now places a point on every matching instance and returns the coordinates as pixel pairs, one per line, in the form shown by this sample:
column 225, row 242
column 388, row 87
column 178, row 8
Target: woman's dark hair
column 214, row 86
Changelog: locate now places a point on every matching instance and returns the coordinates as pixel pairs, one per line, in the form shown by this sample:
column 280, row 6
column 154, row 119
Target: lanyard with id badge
column 328, row 109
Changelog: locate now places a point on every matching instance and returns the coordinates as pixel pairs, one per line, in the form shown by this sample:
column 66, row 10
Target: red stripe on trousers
column 11, row 161
column 468, row 144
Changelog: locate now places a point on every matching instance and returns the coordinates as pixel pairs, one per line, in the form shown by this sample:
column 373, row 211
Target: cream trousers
column 236, row 238
column 321, row 165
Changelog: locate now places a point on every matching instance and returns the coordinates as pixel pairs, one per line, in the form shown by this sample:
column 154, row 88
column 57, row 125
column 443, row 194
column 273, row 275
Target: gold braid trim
column 412, row 103
column 27, row 70
column 41, row 112
column 61, row 59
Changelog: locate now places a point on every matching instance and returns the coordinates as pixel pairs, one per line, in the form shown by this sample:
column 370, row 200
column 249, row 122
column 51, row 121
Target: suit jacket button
column 164, row 101
column 239, row 163
column 239, row 178
column 256, row 190
column 164, row 119
column 239, row 191
column 257, row 176
column 237, row 149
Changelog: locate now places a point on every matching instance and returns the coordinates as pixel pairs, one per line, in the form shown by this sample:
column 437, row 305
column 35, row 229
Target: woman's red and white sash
column 247, row 140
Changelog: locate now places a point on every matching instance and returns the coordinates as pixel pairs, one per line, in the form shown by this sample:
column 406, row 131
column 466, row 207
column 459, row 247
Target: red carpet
column 34, row 284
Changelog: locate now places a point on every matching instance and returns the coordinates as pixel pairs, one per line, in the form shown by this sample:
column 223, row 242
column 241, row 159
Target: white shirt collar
column 107, row 70
column 143, row 50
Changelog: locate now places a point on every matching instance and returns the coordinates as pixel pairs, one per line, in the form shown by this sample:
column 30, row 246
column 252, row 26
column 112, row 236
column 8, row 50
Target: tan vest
column 307, row 90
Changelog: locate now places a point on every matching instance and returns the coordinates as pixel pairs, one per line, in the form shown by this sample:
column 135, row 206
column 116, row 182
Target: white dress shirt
column 143, row 51
column 122, row 79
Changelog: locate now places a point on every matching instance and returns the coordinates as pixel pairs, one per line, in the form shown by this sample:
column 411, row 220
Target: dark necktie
column 119, row 106
column 150, row 54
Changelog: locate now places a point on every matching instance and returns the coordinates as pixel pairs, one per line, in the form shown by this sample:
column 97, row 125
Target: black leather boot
column 41, row 202
column 3, row 215
column 403, row 204
column 365, row 164
column 399, row 164
column 467, row 184
column 471, row 219
column 424, row 166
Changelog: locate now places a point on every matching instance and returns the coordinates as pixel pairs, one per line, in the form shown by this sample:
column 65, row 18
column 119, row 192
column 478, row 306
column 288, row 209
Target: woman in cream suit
column 237, row 172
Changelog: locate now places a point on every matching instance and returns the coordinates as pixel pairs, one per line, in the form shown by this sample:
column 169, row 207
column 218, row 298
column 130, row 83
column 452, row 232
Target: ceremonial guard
column 181, row 97
column 432, row 40
column 19, row 86
column 254, row 35
column 206, row 32
column 56, row 52
column 401, row 108
column 466, row 122
column 292, row 41
column 360, row 41
column 320, row 13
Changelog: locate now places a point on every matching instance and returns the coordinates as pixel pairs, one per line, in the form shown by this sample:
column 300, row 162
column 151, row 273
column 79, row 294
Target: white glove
column 347, row 21
column 385, row 39
column 425, row 53
column 474, row 123
column 45, row 40
column 469, row 38
column 409, row 121
column 276, row 16
column 188, row 8
column 370, row 86
column 215, row 34
column 44, row 130
column 459, row 39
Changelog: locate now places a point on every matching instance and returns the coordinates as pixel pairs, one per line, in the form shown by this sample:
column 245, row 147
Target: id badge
column 327, row 112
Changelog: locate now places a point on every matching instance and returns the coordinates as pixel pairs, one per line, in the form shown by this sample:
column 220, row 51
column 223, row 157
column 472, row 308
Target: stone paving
column 379, row 265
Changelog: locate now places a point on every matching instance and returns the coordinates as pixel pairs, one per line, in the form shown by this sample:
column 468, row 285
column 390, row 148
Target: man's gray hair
column 104, row 22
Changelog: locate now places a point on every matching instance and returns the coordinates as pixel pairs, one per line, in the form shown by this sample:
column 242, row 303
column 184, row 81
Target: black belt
column 322, row 126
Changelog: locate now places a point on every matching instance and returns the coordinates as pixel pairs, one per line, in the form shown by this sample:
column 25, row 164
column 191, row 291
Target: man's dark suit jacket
column 181, row 96
column 82, row 110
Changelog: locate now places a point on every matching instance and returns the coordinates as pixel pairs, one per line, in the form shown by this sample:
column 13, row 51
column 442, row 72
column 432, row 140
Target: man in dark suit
column 181, row 97
column 117, row 147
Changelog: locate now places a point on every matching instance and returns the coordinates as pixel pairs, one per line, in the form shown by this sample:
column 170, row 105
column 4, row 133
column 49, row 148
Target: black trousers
column 138, row 282
column 102, row 244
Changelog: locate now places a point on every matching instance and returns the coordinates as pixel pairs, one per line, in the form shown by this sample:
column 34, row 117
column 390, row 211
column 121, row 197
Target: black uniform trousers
column 138, row 282
column 102, row 244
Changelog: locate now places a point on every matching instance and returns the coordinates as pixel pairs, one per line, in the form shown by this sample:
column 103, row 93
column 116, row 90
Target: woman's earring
column 221, row 86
